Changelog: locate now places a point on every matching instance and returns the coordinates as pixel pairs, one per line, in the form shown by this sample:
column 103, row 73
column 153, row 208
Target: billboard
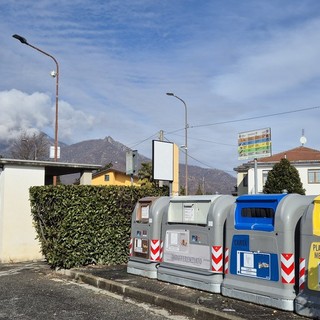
column 254, row 144
column 162, row 160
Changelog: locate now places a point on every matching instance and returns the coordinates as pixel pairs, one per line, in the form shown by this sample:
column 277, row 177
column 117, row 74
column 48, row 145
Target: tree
column 182, row 191
column 30, row 147
column 145, row 174
column 199, row 190
column 283, row 176
column 106, row 166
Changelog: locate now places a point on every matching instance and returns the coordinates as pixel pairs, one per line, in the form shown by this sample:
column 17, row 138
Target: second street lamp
column 185, row 138
column 55, row 74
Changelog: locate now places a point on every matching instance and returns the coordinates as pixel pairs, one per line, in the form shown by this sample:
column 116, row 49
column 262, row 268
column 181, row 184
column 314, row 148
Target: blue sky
column 228, row 60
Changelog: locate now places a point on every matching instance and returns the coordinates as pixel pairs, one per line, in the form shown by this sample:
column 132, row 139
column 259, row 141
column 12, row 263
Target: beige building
column 17, row 233
column 305, row 160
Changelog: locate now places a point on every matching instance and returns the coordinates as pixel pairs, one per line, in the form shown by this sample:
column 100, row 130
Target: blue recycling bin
column 262, row 243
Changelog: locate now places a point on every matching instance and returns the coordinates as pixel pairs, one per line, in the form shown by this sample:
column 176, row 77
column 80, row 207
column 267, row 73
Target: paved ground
column 33, row 291
column 181, row 300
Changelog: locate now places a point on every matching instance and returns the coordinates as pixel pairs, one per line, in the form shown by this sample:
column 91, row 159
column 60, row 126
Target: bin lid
column 196, row 198
column 256, row 212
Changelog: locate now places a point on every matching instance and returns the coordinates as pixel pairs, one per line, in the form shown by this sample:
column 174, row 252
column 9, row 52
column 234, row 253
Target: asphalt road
column 34, row 291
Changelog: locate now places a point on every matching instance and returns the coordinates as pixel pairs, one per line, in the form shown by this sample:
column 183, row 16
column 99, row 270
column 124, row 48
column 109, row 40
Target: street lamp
column 185, row 138
column 54, row 74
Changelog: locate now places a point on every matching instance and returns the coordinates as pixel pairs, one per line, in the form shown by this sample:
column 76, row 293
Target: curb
column 177, row 306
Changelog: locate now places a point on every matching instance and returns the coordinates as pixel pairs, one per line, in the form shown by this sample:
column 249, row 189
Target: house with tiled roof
column 305, row 160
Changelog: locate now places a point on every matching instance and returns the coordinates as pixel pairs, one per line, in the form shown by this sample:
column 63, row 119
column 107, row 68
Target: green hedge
column 79, row 225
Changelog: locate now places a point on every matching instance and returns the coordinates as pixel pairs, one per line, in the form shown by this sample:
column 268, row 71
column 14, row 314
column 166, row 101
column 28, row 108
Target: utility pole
column 161, row 139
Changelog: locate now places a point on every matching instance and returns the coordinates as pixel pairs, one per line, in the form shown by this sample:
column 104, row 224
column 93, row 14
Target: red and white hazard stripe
column 216, row 258
column 302, row 272
column 155, row 250
column 131, row 247
column 161, row 250
column 226, row 261
column 287, row 268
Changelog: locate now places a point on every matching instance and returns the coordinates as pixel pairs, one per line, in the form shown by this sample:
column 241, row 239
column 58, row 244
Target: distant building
column 112, row 177
column 305, row 160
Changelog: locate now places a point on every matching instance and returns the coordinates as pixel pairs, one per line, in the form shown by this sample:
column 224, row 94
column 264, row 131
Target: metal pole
column 161, row 139
column 255, row 176
column 56, row 75
column 185, row 139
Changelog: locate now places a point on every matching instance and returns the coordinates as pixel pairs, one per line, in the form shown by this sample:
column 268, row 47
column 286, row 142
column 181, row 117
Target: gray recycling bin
column 193, row 235
column 262, row 244
column 145, row 243
column 307, row 302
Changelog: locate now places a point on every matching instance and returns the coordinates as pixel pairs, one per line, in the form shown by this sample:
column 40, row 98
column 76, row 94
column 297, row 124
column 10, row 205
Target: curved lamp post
column 185, row 138
column 56, row 75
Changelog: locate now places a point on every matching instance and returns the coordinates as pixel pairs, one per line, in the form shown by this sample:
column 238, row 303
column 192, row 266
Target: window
column 264, row 176
column 106, row 177
column 314, row 176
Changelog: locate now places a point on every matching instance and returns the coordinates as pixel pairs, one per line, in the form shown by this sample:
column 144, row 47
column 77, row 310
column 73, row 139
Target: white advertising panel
column 162, row 160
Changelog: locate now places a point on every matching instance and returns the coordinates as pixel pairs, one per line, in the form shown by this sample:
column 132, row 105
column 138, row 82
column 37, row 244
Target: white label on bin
column 172, row 239
column 138, row 245
column 179, row 251
column 145, row 212
column 254, row 264
column 210, row 223
column 248, row 260
column 177, row 240
column 188, row 213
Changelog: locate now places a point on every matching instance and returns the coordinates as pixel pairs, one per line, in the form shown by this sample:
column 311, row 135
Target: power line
column 199, row 161
column 198, row 139
column 228, row 121
column 144, row 140
column 253, row 118
column 223, row 122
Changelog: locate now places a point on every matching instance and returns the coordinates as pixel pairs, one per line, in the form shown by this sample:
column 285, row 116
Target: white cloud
column 20, row 112
column 72, row 122
column 283, row 62
column 227, row 59
column 23, row 112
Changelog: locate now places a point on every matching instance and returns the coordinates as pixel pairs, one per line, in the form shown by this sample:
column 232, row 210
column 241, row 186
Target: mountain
column 107, row 150
column 212, row 181
column 104, row 151
column 99, row 151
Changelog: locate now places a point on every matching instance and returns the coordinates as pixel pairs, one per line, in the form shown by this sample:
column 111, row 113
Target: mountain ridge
column 107, row 150
column 104, row 151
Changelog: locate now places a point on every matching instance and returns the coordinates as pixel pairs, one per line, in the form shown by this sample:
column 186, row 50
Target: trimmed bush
column 80, row 225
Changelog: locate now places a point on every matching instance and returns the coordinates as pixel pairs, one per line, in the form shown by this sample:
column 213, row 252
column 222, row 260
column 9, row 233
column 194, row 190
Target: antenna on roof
column 303, row 139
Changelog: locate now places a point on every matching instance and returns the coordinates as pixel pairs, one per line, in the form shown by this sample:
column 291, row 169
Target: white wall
column 311, row 189
column 17, row 233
